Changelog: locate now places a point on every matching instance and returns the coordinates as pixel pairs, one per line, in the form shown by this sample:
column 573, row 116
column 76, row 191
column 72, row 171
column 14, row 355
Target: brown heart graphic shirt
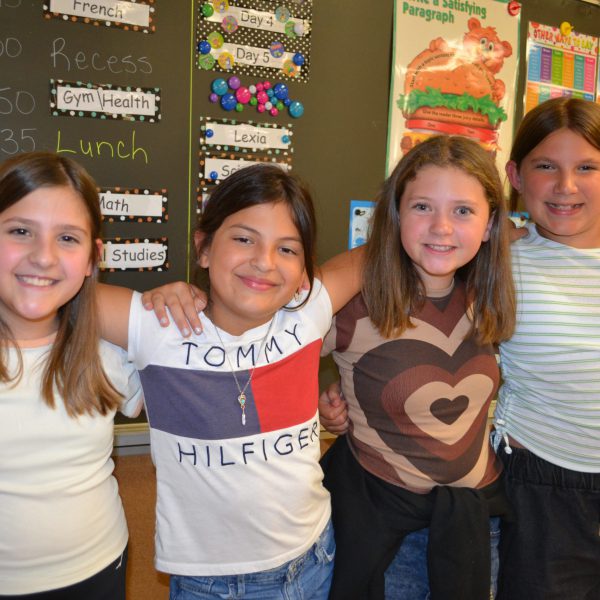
column 418, row 404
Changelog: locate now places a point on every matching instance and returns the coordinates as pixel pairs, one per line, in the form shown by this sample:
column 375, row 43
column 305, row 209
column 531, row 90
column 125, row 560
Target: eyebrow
column 33, row 222
column 252, row 230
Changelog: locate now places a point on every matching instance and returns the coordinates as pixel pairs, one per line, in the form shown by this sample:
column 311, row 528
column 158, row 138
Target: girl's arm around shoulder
column 113, row 306
column 342, row 276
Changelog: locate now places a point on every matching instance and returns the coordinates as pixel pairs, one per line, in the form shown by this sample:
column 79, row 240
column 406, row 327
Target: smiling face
column 256, row 264
column 559, row 181
column 444, row 218
column 45, row 255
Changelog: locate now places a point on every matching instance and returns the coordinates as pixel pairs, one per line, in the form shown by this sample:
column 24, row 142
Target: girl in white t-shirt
column 63, row 534
column 233, row 417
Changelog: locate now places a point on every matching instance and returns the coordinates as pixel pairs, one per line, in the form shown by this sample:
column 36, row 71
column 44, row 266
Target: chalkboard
column 339, row 142
column 131, row 155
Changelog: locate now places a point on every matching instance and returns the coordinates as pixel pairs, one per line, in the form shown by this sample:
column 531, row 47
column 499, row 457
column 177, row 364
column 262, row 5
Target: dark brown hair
column 392, row 287
column 580, row 116
column 73, row 365
column 262, row 184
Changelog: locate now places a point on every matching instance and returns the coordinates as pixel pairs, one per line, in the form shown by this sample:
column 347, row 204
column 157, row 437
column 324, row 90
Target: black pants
column 108, row 584
column 551, row 551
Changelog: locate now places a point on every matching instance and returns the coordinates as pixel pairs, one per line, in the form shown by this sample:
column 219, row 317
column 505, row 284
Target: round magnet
column 268, row 105
column 221, row 6
column 229, row 24
column 276, row 49
column 215, row 39
column 252, row 89
column 259, row 87
column 219, row 86
column 260, row 108
column 566, row 28
column 298, row 59
column 239, row 107
column 280, row 105
column 285, row 139
column 289, row 29
column 262, row 97
column 228, row 101
column 234, row 82
column 206, row 61
column 213, row 97
column 214, row 175
column 243, row 95
column 207, row 10
column 282, row 14
column 287, row 101
column 296, row 109
column 266, row 85
column 253, row 101
column 290, row 69
column 513, row 8
column 225, row 61
column 274, row 112
column 270, row 93
column 209, row 133
column 204, row 47
column 280, row 91
column 299, row 28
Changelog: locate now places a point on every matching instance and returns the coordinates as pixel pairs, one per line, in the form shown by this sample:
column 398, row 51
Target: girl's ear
column 201, row 253
column 512, row 172
column 97, row 246
column 488, row 230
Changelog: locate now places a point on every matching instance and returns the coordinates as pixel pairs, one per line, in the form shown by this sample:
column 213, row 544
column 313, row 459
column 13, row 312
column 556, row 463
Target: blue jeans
column 303, row 578
column 406, row 578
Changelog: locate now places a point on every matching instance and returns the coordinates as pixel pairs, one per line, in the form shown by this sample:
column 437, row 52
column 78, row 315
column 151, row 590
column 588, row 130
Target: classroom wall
column 339, row 142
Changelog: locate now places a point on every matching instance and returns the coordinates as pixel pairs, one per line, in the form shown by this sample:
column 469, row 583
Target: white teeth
column 440, row 248
column 37, row 281
column 564, row 207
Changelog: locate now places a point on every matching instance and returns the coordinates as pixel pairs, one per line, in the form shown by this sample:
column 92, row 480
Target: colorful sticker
column 215, row 39
column 226, row 61
column 259, row 36
column 277, row 49
column 282, row 14
column 229, row 24
column 221, row 6
column 206, row 61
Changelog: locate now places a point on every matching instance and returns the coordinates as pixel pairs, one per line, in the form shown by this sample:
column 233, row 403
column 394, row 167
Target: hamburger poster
column 454, row 72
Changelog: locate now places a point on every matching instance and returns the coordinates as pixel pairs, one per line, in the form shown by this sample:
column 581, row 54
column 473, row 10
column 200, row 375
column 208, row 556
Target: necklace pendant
column 242, row 401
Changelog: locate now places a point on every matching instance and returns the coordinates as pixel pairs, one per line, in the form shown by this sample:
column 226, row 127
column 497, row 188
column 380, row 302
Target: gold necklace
column 242, row 391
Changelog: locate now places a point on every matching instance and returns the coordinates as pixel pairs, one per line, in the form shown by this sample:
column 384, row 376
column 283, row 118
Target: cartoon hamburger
column 454, row 90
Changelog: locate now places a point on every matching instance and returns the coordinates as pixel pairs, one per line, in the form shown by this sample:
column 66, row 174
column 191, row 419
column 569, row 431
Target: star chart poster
column 454, row 72
column 560, row 62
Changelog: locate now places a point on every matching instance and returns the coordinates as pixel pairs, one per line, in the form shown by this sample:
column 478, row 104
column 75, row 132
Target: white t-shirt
column 550, row 401
column 234, row 498
column 61, row 518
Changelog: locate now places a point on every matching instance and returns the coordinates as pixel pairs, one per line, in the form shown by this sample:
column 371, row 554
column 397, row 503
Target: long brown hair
column 392, row 287
column 580, row 116
column 73, row 366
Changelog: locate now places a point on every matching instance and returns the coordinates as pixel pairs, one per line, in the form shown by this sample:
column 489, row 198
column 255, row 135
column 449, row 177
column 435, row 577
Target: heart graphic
column 447, row 410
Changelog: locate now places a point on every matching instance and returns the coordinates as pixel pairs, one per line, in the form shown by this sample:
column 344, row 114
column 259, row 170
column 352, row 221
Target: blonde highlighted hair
column 392, row 287
column 73, row 367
